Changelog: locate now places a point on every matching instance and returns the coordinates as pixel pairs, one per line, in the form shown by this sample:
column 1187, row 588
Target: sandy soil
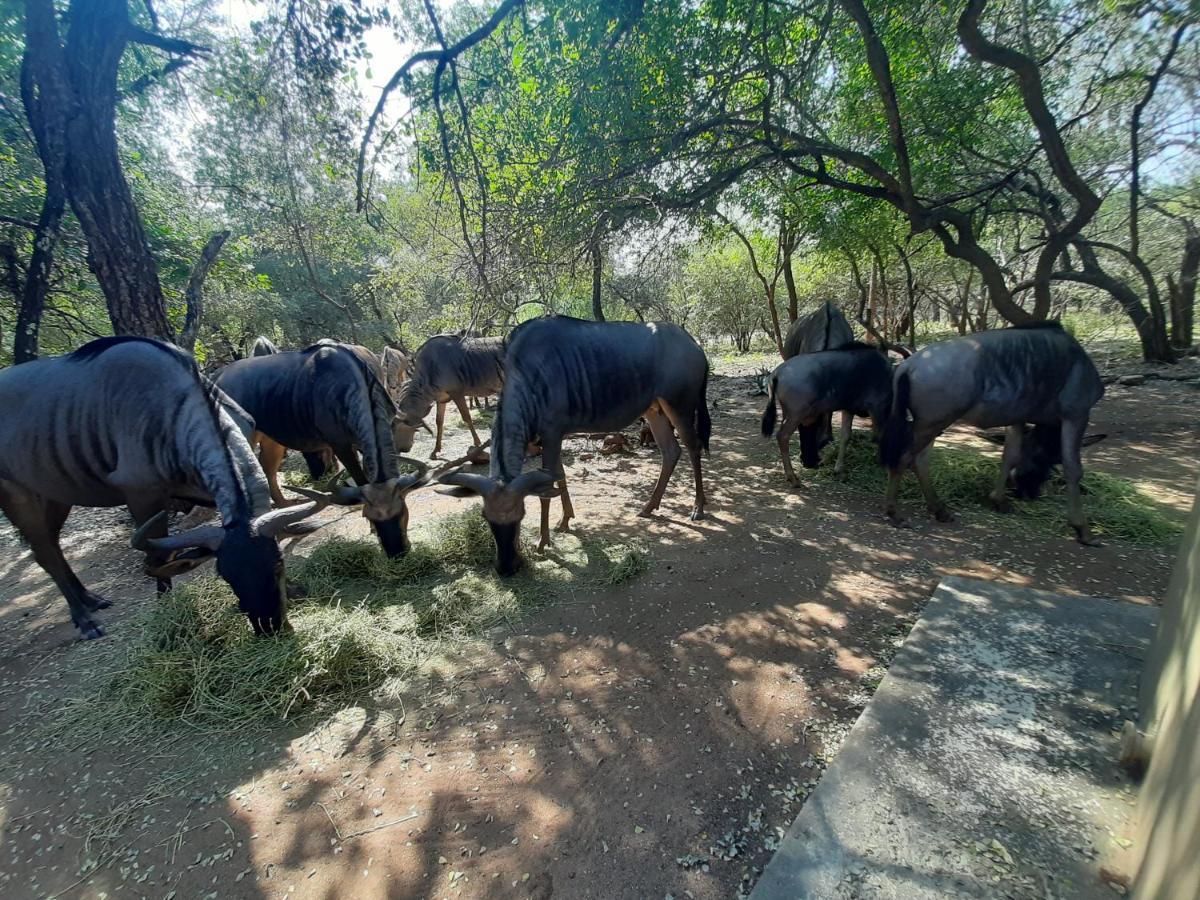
column 645, row 741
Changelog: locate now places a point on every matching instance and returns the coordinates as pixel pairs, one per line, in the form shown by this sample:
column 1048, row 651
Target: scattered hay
column 367, row 624
column 1116, row 507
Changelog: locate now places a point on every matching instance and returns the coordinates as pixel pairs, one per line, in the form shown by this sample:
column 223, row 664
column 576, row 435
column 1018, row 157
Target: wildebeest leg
column 552, row 460
column 270, row 456
column 784, row 438
column 921, row 467
column 1072, row 441
column 441, row 420
column 998, row 498
column 687, row 434
column 843, row 439
column 349, row 459
column 664, row 436
column 465, row 411
column 142, row 510
column 40, row 522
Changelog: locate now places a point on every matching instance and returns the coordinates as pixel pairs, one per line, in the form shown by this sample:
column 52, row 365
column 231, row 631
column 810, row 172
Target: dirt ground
column 646, row 741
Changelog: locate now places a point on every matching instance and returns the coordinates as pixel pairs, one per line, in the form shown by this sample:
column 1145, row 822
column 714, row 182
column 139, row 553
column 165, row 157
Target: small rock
column 1131, row 380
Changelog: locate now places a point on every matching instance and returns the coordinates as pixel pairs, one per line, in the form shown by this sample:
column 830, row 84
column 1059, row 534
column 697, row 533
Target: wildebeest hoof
column 647, row 511
column 563, row 527
column 697, row 515
column 1003, row 505
column 542, row 545
column 94, row 601
column 898, row 521
column 1086, row 538
column 295, row 591
column 89, row 630
column 943, row 515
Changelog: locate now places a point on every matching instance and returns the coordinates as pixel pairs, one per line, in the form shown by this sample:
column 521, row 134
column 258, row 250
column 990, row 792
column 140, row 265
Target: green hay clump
column 1116, row 507
column 366, row 623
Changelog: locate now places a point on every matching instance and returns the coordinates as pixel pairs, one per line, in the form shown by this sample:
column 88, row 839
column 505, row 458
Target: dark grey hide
column 566, row 376
column 1036, row 374
column 129, row 421
column 319, row 464
column 448, row 367
column 329, row 395
column 855, row 380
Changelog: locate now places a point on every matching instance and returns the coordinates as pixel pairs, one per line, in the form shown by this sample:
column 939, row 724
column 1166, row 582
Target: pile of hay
column 1115, row 507
column 368, row 624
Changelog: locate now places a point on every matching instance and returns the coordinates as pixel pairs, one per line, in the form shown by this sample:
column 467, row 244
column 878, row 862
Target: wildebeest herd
column 134, row 422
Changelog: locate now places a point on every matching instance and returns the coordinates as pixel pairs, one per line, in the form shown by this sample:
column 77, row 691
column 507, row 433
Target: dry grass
column 368, row 624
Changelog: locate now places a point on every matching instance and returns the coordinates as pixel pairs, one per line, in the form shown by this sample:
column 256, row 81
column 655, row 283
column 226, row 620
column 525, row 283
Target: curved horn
column 140, row 541
column 273, row 523
column 472, row 481
column 207, row 536
column 535, row 482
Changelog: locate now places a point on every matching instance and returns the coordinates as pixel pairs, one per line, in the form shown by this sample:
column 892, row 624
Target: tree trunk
column 776, row 332
column 787, row 241
column 597, row 273
column 37, row 278
column 1183, row 294
column 195, row 291
column 78, row 82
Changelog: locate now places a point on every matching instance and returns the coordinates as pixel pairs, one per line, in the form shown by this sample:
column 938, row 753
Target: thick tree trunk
column 78, row 82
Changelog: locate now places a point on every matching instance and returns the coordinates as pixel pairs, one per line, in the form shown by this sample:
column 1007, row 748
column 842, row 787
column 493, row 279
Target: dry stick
column 361, row 832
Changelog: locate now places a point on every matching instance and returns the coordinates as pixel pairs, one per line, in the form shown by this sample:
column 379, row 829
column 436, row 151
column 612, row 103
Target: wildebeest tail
column 897, row 431
column 768, row 418
column 703, row 421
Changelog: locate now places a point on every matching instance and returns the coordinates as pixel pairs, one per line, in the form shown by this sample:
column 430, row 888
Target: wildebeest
column 394, row 364
column 130, row 421
column 448, row 367
column 330, row 395
column 263, row 346
column 1026, row 374
column 320, row 463
column 855, row 379
column 825, row 328
column 567, row 375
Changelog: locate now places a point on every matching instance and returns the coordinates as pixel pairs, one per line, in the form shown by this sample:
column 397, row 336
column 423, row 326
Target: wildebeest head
column 248, row 558
column 384, row 503
column 1041, row 451
column 412, row 406
column 504, row 508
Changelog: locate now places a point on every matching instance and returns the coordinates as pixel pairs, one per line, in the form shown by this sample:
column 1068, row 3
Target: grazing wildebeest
column 130, row 421
column 329, row 395
column 394, row 364
column 825, row 328
column 271, row 454
column 448, row 367
column 856, row 380
column 1026, row 374
column 565, row 376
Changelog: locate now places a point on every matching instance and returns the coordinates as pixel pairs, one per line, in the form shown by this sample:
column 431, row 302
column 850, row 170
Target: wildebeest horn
column 207, row 536
column 472, row 481
column 345, row 495
column 273, row 523
column 539, row 482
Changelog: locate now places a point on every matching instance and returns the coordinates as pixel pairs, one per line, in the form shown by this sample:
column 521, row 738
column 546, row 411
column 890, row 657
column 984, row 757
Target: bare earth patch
column 641, row 740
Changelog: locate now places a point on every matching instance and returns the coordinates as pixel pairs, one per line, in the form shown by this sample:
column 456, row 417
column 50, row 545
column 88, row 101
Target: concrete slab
column 984, row 764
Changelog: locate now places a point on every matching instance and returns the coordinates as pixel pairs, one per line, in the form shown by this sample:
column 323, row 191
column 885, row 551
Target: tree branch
column 195, row 290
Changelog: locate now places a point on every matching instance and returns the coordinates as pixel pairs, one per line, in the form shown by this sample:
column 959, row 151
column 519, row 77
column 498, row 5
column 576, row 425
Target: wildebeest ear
column 460, row 492
column 1089, row 439
column 475, row 483
column 539, row 482
column 993, row 437
column 180, row 563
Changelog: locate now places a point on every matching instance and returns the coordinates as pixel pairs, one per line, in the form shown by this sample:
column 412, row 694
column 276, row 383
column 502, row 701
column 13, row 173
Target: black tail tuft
column 897, row 431
column 768, row 419
column 703, row 422
column 810, row 445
